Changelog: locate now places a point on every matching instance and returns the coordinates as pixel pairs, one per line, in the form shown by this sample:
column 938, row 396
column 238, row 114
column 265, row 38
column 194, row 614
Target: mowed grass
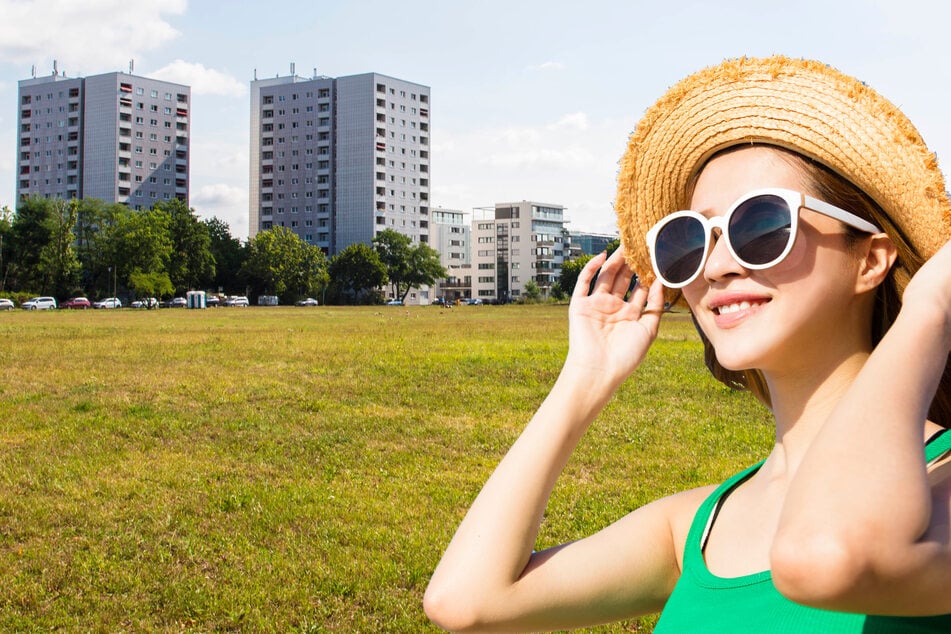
column 301, row 469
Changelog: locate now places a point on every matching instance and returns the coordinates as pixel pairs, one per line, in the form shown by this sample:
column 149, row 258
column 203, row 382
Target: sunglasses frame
column 795, row 201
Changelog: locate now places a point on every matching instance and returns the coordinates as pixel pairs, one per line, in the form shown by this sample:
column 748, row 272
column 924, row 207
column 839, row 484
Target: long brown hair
column 832, row 188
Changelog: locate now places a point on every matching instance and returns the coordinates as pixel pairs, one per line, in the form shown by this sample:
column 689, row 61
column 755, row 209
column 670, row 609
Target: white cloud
column 576, row 120
column 227, row 202
column 84, row 37
column 546, row 66
column 203, row 81
column 570, row 160
column 213, row 157
column 557, row 145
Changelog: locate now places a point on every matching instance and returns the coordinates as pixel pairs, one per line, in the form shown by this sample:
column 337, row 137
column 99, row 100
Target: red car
column 76, row 302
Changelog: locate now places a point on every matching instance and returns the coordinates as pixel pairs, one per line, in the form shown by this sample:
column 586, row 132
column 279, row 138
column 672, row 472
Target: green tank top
column 704, row 602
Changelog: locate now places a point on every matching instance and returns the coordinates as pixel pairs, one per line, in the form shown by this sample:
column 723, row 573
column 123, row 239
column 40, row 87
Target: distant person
column 813, row 259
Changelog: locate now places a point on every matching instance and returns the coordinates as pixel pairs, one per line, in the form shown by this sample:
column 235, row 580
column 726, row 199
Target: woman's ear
column 878, row 254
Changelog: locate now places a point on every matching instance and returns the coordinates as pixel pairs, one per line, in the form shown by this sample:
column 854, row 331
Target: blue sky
column 531, row 100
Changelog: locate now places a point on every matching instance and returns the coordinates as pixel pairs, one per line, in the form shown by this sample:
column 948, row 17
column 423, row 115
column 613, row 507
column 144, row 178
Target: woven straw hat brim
column 802, row 105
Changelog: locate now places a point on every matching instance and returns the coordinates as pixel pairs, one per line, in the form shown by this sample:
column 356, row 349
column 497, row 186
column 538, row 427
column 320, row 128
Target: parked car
column 80, row 303
column 39, row 303
column 474, row 301
column 178, row 302
column 6, row 304
column 148, row 302
column 395, row 302
column 109, row 302
column 310, row 301
column 239, row 300
column 212, row 301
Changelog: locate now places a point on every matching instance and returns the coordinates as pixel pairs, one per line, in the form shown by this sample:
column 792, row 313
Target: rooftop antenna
column 55, row 72
column 292, row 69
column 255, row 74
column 33, row 71
column 315, row 72
column 131, row 65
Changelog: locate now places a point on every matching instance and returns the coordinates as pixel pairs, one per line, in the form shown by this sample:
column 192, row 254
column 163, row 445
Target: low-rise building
column 513, row 244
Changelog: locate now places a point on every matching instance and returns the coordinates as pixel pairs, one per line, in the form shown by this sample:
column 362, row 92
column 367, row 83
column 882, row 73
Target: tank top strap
column 938, row 445
column 706, row 513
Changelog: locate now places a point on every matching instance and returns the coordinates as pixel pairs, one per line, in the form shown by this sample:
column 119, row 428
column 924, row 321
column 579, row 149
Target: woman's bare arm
column 863, row 528
column 489, row 578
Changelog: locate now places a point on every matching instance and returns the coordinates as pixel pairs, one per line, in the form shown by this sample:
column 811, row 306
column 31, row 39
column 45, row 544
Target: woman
column 814, row 202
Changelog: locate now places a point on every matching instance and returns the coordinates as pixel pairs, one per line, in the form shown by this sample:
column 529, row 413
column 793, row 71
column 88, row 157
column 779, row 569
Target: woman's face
column 794, row 315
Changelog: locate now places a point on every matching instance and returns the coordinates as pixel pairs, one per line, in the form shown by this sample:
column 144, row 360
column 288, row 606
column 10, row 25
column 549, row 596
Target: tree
column 94, row 218
column 356, row 274
column 570, row 271
column 394, row 250
column 192, row 264
column 407, row 266
column 137, row 242
column 229, row 255
column 59, row 259
column 41, row 256
column 154, row 284
column 31, row 234
column 424, row 268
column 6, row 244
column 532, row 291
column 280, row 263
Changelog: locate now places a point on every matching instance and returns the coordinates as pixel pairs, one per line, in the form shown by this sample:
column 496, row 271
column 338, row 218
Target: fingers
column 653, row 308
column 587, row 274
column 615, row 275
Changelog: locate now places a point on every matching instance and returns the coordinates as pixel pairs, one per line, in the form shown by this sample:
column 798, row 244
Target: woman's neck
column 803, row 400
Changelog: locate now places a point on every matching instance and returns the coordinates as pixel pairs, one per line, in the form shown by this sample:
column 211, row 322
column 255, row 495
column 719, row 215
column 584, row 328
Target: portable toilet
column 195, row 299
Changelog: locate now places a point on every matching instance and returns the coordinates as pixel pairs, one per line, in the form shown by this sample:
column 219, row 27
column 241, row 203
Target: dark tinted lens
column 679, row 249
column 760, row 229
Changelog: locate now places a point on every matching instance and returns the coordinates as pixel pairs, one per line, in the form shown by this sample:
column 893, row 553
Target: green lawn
column 301, row 469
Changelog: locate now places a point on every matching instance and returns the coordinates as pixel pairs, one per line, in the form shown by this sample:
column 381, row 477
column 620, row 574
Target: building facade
column 514, row 243
column 450, row 236
column 591, row 243
column 116, row 136
column 336, row 160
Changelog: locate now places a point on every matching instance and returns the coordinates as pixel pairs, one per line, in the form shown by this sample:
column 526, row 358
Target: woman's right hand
column 607, row 334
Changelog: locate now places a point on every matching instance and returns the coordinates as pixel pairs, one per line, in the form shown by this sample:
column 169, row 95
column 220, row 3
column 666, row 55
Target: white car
column 236, row 301
column 6, row 304
column 39, row 303
column 109, row 302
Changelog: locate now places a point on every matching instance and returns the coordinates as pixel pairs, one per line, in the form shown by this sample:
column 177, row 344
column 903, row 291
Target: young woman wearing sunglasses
column 790, row 208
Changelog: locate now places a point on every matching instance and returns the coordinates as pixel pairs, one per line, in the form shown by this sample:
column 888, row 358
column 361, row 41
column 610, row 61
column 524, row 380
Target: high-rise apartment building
column 336, row 160
column 117, row 137
column 513, row 243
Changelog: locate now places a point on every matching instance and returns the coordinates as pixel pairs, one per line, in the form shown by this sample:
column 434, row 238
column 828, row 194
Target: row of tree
column 88, row 247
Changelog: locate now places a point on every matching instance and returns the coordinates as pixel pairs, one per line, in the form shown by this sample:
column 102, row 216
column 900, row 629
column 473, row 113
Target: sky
column 530, row 100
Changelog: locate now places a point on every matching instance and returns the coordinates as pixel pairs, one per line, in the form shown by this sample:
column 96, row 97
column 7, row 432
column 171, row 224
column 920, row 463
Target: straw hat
column 801, row 105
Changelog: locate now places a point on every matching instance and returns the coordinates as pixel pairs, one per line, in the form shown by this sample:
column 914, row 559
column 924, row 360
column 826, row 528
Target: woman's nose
column 720, row 261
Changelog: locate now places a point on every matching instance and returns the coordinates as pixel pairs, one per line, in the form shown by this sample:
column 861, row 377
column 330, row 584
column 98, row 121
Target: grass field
column 301, row 469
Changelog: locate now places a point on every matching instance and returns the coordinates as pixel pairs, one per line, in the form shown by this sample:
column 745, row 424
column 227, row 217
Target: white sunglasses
column 760, row 230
